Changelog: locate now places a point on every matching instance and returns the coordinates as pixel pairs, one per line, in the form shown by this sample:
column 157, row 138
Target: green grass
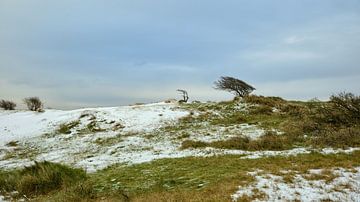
column 41, row 178
column 214, row 178
column 311, row 124
column 192, row 178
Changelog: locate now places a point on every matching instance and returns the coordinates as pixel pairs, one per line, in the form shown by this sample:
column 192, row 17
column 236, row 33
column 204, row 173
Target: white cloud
column 293, row 40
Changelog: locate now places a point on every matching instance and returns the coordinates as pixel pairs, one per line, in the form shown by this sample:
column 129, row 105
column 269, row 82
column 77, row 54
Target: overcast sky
column 80, row 53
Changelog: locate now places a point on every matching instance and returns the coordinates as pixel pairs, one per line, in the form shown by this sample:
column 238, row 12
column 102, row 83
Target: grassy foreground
column 182, row 179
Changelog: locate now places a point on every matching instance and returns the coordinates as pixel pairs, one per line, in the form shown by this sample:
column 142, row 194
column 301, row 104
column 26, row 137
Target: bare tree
column 7, row 105
column 184, row 94
column 239, row 87
column 34, row 104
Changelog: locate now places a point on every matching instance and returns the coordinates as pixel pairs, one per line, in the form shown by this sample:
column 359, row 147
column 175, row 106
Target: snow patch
column 345, row 187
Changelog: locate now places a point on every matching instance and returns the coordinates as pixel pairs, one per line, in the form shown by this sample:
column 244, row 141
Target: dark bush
column 193, row 144
column 343, row 138
column 342, row 109
column 7, row 105
column 34, row 104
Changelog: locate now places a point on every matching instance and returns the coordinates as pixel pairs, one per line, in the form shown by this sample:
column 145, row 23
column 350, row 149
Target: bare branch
column 184, row 94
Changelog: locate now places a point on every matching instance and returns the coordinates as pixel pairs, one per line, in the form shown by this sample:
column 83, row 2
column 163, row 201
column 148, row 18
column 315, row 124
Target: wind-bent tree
column 237, row 86
column 184, row 94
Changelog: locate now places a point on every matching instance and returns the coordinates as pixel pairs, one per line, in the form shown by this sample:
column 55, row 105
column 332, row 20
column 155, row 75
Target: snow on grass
column 19, row 125
column 345, row 186
column 35, row 137
column 95, row 138
column 209, row 133
column 296, row 151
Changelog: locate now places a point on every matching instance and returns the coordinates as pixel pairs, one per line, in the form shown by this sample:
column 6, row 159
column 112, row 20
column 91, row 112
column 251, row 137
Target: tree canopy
column 237, row 86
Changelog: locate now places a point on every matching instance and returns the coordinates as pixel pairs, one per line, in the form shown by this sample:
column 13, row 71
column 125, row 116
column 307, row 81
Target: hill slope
column 124, row 138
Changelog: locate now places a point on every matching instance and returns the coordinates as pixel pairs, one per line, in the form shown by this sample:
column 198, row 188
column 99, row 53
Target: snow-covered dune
column 20, row 125
column 95, row 138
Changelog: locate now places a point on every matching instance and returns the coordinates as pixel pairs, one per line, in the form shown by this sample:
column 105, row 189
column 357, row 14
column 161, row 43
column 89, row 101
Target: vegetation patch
column 41, row 178
column 311, row 124
column 214, row 178
column 66, row 128
column 109, row 140
column 269, row 141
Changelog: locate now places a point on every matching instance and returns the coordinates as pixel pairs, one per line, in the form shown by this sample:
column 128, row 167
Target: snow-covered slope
column 95, row 138
column 20, row 125
column 115, row 132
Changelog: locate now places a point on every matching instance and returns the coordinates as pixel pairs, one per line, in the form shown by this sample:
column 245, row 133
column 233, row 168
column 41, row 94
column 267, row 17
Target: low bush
column 193, row 144
column 34, row 104
column 342, row 109
column 66, row 128
column 7, row 105
column 261, row 100
column 341, row 138
column 40, row 178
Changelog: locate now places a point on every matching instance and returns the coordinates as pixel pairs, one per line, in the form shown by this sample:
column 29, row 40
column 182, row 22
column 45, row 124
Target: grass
column 269, row 141
column 311, row 124
column 66, row 127
column 21, row 152
column 183, row 179
column 12, row 144
column 41, row 178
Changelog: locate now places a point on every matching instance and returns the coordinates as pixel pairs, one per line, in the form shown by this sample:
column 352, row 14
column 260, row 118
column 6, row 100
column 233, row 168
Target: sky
column 85, row 53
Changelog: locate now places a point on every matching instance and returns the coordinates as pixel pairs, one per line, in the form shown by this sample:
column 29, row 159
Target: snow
column 19, row 125
column 127, row 134
column 344, row 187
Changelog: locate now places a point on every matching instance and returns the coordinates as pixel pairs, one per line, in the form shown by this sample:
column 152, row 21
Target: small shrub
column 12, row 144
column 66, row 128
column 345, row 109
column 232, row 143
column 193, row 144
column 7, row 105
column 34, row 104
